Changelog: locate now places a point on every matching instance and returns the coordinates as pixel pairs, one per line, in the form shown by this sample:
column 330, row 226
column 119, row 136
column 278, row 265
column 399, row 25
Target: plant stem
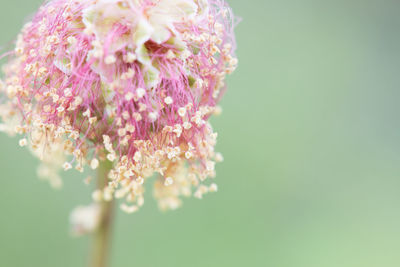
column 102, row 236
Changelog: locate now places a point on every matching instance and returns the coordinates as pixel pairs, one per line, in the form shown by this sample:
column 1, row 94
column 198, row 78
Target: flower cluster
column 132, row 82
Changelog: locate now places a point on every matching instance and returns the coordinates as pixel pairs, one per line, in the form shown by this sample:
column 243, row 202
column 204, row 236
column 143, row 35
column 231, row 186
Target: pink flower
column 129, row 81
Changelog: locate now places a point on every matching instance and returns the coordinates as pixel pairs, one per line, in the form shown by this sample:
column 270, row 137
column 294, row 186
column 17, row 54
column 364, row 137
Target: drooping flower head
column 132, row 82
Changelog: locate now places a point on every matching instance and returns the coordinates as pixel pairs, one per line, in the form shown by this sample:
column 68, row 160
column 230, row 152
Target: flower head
column 128, row 81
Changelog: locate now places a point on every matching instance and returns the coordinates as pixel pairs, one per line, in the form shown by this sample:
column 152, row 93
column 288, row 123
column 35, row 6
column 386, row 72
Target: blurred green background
column 310, row 134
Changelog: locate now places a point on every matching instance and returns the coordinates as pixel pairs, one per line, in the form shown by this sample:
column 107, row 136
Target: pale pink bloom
column 133, row 82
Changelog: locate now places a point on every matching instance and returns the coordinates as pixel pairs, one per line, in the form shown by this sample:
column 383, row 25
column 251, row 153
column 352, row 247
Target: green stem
column 102, row 237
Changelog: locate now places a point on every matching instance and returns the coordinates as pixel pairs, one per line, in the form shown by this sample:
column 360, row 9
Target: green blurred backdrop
column 310, row 135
